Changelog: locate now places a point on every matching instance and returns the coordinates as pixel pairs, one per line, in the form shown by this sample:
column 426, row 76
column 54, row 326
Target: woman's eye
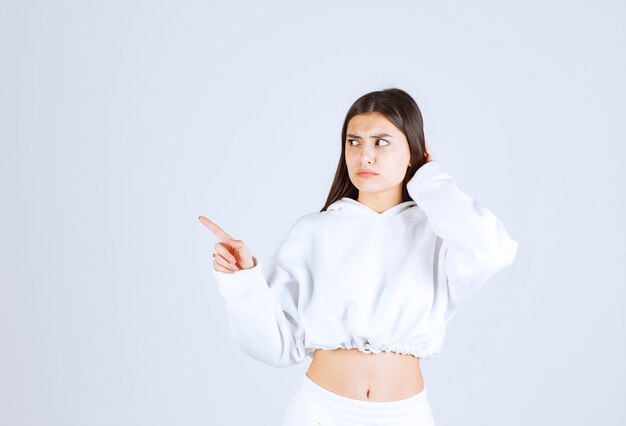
column 349, row 141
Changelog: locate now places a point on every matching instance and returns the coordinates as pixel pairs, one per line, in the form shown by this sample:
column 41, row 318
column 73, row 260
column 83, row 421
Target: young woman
column 366, row 286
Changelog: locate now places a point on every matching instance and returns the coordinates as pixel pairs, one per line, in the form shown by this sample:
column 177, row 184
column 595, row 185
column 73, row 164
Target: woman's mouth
column 366, row 174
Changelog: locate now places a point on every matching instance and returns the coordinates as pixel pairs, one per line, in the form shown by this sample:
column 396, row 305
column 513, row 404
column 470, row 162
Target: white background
column 121, row 122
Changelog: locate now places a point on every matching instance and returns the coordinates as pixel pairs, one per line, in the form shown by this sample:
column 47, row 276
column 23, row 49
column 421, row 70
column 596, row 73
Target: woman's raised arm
column 475, row 243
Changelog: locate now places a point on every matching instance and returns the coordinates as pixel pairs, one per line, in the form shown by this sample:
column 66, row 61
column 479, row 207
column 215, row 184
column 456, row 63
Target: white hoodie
column 350, row 277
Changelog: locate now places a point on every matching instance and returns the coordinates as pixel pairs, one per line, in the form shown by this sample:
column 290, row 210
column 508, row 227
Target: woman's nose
column 367, row 156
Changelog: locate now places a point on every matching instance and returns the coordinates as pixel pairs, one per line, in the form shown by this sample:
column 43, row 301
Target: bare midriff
column 384, row 376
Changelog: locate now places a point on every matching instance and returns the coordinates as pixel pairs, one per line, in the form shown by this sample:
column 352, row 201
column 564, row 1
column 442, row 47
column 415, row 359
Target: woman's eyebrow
column 382, row 135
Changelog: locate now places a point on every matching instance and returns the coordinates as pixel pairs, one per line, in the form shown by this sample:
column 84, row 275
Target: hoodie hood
column 350, row 207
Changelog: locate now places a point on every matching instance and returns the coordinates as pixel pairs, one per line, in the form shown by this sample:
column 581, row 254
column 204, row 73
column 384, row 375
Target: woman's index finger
column 219, row 232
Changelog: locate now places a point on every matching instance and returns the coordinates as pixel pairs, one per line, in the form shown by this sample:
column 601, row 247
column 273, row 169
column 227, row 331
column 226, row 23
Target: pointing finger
column 219, row 232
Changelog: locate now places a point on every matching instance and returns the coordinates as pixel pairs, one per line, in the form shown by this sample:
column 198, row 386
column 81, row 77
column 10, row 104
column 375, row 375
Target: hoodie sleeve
column 262, row 306
column 475, row 242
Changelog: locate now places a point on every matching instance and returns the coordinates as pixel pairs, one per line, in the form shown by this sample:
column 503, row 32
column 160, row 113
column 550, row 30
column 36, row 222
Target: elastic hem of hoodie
column 367, row 349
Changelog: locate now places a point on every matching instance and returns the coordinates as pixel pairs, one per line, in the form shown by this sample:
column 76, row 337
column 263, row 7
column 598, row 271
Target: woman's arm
column 261, row 303
column 475, row 242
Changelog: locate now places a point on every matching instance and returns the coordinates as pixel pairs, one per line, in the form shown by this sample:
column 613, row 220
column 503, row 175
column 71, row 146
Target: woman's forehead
column 372, row 123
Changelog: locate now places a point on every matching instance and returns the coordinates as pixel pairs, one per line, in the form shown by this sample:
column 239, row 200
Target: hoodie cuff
column 242, row 281
column 422, row 175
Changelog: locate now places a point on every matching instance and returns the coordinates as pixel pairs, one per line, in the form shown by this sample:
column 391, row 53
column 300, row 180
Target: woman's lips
column 366, row 174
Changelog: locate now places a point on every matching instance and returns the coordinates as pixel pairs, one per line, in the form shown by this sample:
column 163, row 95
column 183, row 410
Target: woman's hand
column 230, row 254
column 428, row 154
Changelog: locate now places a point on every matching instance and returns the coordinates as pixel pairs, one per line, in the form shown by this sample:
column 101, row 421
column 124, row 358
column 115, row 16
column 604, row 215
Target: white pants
column 313, row 404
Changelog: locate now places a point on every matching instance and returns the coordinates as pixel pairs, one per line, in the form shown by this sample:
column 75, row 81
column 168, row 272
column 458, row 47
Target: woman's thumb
column 245, row 260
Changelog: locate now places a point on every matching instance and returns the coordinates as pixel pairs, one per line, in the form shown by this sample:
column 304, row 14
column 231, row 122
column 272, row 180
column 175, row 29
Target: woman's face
column 374, row 143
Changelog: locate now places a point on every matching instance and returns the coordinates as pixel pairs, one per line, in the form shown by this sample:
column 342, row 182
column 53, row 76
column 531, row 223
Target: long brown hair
column 402, row 110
